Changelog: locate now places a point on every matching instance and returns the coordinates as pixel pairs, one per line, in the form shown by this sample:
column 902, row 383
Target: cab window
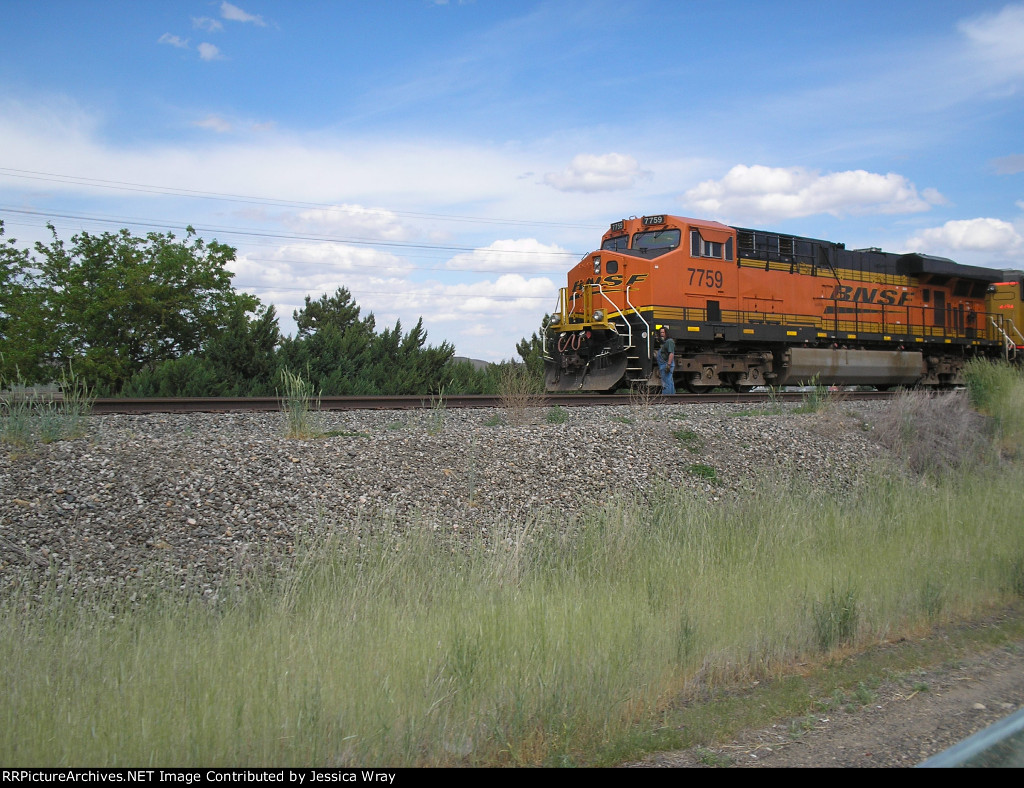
column 699, row 247
column 616, row 244
column 655, row 242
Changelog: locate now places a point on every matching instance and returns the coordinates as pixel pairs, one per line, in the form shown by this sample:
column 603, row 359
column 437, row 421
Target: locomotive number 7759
column 706, row 277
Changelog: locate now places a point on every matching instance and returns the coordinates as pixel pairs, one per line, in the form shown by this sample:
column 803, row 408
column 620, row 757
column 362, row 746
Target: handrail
column 600, row 289
column 1009, row 346
column 646, row 326
column 560, row 309
column 1016, row 330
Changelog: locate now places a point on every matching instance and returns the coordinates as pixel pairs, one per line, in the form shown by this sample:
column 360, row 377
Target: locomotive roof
column 917, row 264
column 913, row 263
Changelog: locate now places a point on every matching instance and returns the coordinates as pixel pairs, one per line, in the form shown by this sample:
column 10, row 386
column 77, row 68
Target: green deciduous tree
column 116, row 304
column 20, row 327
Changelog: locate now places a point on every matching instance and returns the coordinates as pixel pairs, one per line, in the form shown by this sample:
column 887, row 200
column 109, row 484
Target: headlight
column 598, row 316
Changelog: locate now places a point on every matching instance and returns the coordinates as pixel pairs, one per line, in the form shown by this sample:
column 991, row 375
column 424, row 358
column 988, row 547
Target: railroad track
column 264, row 404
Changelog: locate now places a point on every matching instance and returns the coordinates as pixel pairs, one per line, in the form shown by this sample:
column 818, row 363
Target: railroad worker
column 667, row 362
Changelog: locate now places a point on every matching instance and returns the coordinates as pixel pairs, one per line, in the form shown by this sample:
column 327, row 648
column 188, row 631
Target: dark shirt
column 668, row 348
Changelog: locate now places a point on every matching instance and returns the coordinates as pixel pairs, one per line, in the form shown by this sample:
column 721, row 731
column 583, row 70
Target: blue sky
column 451, row 160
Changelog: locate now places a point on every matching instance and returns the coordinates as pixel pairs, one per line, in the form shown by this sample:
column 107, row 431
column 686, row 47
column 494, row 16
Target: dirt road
column 904, row 721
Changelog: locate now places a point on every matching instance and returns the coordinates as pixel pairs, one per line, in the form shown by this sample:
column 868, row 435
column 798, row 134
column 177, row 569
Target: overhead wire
column 208, row 195
column 258, row 237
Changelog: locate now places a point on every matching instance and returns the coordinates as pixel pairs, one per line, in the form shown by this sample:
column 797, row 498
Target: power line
column 288, row 236
column 172, row 191
column 438, row 268
column 361, row 292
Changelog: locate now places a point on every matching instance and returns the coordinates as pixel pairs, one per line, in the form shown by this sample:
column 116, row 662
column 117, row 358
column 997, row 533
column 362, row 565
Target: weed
column 690, row 439
column 703, row 471
column 712, row 758
column 472, row 472
column 298, row 402
column 494, row 421
column 44, row 415
column 835, row 619
column 864, row 695
column 518, row 392
column 344, row 434
column 932, row 598
column 800, row 726
column 996, row 390
column 16, row 420
column 642, row 399
column 436, row 415
column 76, row 403
column 1015, row 573
column 686, row 639
column 815, row 399
column 557, row 415
column 934, row 435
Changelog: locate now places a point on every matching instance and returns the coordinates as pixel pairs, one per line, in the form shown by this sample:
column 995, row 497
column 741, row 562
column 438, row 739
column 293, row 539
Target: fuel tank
column 842, row 367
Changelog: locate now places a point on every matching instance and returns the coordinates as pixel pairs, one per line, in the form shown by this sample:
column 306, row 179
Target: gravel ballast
column 203, row 495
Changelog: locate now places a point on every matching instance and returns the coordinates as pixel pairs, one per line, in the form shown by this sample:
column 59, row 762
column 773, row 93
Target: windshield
column 655, row 242
column 616, row 244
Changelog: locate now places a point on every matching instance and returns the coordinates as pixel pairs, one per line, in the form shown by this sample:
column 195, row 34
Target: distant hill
column 477, row 363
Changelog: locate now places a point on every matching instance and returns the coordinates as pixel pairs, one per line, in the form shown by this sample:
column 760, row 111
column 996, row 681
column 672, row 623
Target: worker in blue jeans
column 667, row 362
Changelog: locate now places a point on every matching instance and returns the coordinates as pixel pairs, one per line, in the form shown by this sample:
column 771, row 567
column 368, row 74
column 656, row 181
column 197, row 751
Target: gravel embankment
column 200, row 495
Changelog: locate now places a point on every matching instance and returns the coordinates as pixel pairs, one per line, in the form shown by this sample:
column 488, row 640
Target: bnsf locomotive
column 751, row 308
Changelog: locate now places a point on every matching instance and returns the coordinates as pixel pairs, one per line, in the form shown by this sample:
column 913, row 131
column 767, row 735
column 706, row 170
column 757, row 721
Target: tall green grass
column 300, row 405
column 551, row 644
column 28, row 415
column 535, row 648
column 997, row 390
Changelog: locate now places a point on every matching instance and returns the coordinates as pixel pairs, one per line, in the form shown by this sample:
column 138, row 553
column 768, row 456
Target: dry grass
column 935, row 434
column 642, row 399
column 519, row 393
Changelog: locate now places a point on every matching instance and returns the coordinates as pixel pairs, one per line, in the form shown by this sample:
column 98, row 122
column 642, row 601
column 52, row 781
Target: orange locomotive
column 749, row 308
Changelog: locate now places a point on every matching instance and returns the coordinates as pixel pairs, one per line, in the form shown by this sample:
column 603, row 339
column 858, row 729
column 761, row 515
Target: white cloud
column 1009, row 165
column 209, row 52
column 214, row 123
column 236, row 14
column 355, row 221
column 510, row 296
column 766, row 193
column 523, row 254
column 174, row 41
column 316, row 266
column 969, row 235
column 590, row 173
column 998, row 40
column 207, row 24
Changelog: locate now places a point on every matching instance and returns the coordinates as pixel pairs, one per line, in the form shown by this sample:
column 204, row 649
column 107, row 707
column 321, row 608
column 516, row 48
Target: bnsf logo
column 612, row 280
column 864, row 295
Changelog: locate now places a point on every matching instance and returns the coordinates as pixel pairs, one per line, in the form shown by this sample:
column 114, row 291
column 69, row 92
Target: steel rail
column 270, row 404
